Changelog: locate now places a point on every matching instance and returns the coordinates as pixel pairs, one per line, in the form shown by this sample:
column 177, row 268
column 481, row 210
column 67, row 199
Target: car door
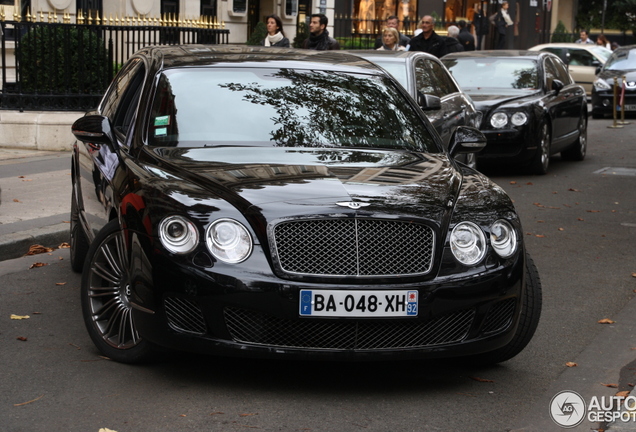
column 431, row 77
column 564, row 105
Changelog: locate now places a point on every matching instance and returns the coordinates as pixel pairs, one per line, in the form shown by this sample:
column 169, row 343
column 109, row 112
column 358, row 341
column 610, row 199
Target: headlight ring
column 468, row 243
column 229, row 241
column 178, row 234
column 499, row 120
column 519, row 118
column 503, row 238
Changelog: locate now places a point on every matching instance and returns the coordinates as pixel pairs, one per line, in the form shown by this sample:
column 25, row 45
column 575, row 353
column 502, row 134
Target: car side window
column 425, row 79
column 447, row 84
column 550, row 73
column 562, row 73
column 122, row 80
column 579, row 57
column 129, row 100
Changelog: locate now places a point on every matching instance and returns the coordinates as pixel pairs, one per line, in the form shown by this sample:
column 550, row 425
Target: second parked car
column 531, row 106
column 622, row 63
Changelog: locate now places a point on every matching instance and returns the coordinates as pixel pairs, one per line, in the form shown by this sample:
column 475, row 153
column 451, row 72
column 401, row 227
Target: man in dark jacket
column 482, row 24
column 319, row 38
column 393, row 22
column 429, row 41
column 464, row 37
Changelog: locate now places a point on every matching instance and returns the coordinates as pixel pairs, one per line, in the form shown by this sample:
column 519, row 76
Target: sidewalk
column 35, row 207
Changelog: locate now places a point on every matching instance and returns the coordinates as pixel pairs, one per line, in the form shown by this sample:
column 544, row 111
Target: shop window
column 237, row 7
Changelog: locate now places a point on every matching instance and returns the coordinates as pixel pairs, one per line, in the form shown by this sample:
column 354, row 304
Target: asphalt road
column 580, row 226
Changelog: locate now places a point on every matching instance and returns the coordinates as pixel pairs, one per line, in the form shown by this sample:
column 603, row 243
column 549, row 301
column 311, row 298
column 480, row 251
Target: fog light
column 606, row 102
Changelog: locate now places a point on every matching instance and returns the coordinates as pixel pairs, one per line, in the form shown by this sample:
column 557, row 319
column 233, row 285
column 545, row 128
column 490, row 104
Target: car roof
column 499, row 53
column 171, row 56
column 625, row 48
column 391, row 54
column 565, row 45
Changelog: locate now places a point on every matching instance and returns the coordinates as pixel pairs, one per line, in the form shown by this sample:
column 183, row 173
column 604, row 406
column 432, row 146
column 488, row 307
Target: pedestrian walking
column 502, row 22
column 481, row 24
column 319, row 38
column 275, row 34
column 465, row 37
column 428, row 41
column 452, row 44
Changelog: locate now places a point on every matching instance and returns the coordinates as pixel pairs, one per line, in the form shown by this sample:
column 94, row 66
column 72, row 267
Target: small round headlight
column 503, row 238
column 519, row 118
column 499, row 120
column 468, row 243
column 229, row 241
column 178, row 235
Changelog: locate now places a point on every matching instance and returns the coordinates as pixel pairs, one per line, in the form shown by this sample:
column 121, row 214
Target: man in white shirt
column 584, row 39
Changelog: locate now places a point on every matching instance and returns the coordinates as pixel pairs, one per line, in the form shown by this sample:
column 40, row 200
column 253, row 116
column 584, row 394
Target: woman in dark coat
column 275, row 35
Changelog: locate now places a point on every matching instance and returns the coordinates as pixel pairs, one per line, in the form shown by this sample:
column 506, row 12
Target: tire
column 105, row 306
column 528, row 321
column 541, row 160
column 78, row 241
column 577, row 151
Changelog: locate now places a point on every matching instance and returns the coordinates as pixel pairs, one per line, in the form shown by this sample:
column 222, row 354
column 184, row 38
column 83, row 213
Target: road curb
column 15, row 245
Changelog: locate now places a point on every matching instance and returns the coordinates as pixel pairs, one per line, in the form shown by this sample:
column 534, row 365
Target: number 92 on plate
column 336, row 303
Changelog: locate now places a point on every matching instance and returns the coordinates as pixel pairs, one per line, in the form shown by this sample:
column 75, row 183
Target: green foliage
column 302, row 33
column 561, row 34
column 619, row 14
column 347, row 43
column 62, row 59
column 259, row 33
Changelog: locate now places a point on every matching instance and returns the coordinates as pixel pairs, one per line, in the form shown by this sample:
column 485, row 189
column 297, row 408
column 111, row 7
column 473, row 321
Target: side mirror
column 598, row 70
column 428, row 102
column 557, row 85
column 466, row 139
column 94, row 129
column 596, row 63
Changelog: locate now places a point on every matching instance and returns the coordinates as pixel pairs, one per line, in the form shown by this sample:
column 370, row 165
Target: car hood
column 488, row 102
column 394, row 181
column 611, row 75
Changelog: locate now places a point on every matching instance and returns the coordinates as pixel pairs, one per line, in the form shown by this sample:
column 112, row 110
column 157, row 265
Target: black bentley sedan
column 622, row 63
column 531, row 106
column 433, row 87
column 273, row 202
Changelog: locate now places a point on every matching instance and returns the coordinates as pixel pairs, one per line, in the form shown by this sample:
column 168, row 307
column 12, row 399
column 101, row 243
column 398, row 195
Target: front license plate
column 628, row 107
column 334, row 303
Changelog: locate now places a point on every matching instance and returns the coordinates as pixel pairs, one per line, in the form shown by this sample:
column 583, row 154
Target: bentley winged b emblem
column 352, row 204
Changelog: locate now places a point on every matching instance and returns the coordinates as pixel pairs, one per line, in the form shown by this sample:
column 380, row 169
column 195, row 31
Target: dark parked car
column 273, row 202
column 429, row 82
column 622, row 63
column 531, row 107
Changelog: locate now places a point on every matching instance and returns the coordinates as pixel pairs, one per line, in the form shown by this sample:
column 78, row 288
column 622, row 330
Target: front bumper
column 603, row 102
column 257, row 315
column 510, row 145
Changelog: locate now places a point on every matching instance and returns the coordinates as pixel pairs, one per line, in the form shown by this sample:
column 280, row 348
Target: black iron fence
column 67, row 67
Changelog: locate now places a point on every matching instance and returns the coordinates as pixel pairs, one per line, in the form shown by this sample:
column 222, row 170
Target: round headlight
column 499, row 120
column 178, row 235
column 229, row 240
column 519, row 118
column 468, row 243
column 503, row 238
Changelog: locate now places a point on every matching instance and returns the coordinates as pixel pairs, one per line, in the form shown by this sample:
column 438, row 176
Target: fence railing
column 67, row 67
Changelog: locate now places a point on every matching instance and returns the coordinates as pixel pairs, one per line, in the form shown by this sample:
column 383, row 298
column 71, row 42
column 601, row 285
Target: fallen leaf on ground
column 19, row 317
column 64, row 246
column 561, row 229
column 540, row 221
column 31, row 401
column 593, row 211
column 217, row 413
column 60, row 283
column 21, row 338
column 633, row 274
column 106, row 430
column 27, row 180
column 74, row 346
column 540, row 235
column 529, row 183
column 571, row 364
column 580, row 219
column 513, row 182
column 606, row 321
column 623, row 393
column 16, row 200
column 38, row 249
column 37, row 264
column 574, row 190
column 610, row 385
column 248, row 414
column 481, row 379
column 20, row 176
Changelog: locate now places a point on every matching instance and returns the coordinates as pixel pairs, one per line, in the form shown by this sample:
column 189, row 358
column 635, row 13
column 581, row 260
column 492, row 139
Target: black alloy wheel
column 578, row 150
column 542, row 158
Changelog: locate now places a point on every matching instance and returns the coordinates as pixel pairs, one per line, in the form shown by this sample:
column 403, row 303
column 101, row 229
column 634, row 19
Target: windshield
column 601, row 52
column 396, row 69
column 494, row 75
column 201, row 107
column 621, row 60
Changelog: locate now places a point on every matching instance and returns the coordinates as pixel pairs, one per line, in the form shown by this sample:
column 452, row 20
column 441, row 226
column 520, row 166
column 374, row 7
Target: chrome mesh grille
column 184, row 315
column 354, row 247
column 257, row 328
column 499, row 316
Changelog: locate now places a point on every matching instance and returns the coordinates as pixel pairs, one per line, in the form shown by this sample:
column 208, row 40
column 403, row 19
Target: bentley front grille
column 184, row 315
column 354, row 247
column 257, row 328
column 499, row 316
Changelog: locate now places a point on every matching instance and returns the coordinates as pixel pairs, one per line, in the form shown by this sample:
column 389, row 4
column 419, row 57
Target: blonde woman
column 390, row 40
